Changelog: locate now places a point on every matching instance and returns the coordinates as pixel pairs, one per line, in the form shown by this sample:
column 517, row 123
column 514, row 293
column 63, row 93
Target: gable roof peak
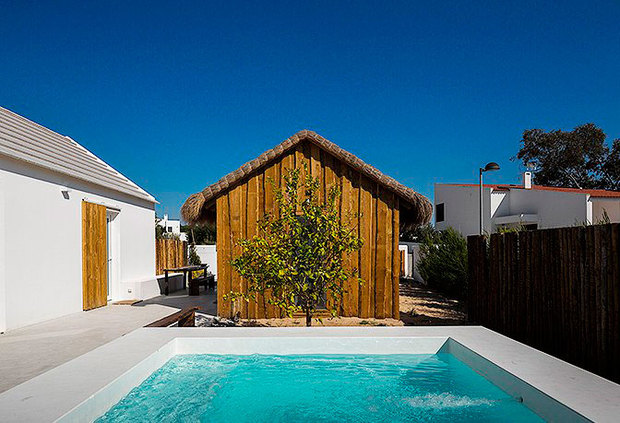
column 192, row 210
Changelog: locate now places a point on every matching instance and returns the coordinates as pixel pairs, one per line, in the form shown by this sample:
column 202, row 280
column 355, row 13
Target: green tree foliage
column 200, row 234
column 443, row 262
column 579, row 158
column 298, row 254
column 417, row 234
column 194, row 258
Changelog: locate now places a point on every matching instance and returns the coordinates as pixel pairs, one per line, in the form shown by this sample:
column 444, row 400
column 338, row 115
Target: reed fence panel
column 169, row 253
column 557, row 290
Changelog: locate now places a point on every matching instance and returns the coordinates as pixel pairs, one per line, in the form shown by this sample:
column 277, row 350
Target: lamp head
column 491, row 166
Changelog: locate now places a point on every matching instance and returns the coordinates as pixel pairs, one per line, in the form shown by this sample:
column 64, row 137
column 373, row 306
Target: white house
column 172, row 226
column 533, row 206
column 74, row 232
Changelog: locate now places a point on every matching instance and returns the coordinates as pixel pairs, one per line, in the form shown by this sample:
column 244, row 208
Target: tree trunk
column 308, row 318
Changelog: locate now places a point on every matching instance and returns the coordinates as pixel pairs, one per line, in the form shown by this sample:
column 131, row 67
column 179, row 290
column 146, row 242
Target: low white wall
column 208, row 255
column 407, row 259
column 45, row 282
column 412, row 258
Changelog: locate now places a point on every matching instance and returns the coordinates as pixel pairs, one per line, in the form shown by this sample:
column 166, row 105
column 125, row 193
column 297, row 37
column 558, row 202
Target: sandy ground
column 419, row 306
column 332, row 321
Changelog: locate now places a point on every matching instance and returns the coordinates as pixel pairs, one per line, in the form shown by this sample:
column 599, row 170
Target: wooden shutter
column 94, row 256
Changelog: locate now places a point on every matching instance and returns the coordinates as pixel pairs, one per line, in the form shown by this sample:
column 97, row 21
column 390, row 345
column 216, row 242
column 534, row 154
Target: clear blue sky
column 175, row 95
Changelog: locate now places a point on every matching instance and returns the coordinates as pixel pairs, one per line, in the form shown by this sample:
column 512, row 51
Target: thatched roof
column 198, row 207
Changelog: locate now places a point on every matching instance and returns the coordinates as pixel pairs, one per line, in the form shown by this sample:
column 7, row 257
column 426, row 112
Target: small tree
column 194, row 258
column 443, row 261
column 297, row 257
column 159, row 230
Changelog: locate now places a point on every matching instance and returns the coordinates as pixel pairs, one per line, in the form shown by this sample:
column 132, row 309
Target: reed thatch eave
column 415, row 208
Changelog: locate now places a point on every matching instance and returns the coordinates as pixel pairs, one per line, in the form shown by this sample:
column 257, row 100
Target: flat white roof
column 28, row 141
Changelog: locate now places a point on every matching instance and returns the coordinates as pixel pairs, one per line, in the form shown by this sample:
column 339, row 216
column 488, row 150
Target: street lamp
column 489, row 167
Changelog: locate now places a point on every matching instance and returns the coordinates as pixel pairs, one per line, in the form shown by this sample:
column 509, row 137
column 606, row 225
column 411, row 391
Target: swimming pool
column 91, row 385
column 319, row 388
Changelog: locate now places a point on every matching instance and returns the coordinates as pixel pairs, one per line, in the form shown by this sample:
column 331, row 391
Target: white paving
column 32, row 350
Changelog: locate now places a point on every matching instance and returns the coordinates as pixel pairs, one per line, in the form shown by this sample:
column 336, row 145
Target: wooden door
column 94, row 256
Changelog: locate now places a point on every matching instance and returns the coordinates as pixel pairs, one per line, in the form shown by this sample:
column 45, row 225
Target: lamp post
column 489, row 167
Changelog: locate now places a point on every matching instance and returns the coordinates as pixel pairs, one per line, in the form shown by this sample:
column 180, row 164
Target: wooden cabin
column 237, row 201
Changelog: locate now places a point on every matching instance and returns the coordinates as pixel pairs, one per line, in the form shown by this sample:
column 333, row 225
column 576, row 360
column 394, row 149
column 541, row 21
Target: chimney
column 527, row 180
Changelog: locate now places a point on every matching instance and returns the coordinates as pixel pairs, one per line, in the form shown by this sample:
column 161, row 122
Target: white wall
column 555, row 209
column 611, row 206
column 500, row 203
column 412, row 258
column 2, row 256
column 174, row 225
column 208, row 255
column 47, row 282
column 462, row 208
column 407, row 259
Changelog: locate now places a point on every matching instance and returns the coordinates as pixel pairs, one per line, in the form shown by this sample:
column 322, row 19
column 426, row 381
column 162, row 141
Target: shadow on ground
column 206, row 301
column 422, row 306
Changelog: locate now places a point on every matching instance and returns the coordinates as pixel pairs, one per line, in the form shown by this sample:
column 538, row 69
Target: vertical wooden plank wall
column 94, row 256
column 169, row 253
column 373, row 212
column 555, row 289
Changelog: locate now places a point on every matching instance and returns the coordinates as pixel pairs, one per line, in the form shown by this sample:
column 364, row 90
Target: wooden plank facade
column 372, row 208
column 557, row 290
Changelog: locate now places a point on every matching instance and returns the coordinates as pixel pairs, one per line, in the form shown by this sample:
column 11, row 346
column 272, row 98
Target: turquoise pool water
column 317, row 388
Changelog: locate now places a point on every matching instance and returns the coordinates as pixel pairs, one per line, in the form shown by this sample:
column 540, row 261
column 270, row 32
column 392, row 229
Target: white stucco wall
column 172, row 224
column 554, row 209
column 500, row 203
column 46, row 282
column 2, row 256
column 462, row 208
column 208, row 255
column 611, row 206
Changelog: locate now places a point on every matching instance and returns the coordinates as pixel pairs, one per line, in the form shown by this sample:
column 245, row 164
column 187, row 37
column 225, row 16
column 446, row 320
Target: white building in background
column 410, row 257
column 74, row 232
column 532, row 206
column 172, row 226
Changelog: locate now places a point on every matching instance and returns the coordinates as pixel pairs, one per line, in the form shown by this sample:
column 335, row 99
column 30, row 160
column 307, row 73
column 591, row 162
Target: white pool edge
column 550, row 387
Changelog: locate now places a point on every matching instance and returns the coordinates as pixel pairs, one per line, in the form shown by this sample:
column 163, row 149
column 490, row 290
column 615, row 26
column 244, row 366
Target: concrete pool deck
column 555, row 389
column 30, row 351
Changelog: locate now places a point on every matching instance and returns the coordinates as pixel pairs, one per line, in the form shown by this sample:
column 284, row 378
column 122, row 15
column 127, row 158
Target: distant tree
column 611, row 167
column 201, row 234
column 298, row 254
column 417, row 234
column 159, row 230
column 579, row 158
column 443, row 261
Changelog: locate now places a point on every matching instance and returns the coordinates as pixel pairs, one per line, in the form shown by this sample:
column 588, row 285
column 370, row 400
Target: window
column 439, row 212
column 169, row 228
